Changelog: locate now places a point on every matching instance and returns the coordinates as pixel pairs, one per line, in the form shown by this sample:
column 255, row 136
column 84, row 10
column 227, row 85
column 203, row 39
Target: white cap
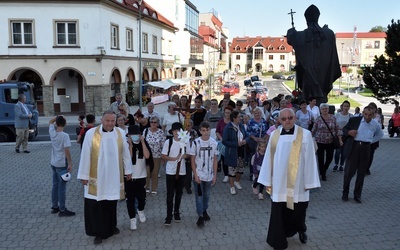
column 66, row 176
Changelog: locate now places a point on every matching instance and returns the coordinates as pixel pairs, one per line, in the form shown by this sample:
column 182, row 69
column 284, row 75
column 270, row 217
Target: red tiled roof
column 361, row 35
column 266, row 42
column 128, row 4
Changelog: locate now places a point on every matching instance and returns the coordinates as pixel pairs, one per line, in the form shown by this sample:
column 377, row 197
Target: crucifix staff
column 291, row 15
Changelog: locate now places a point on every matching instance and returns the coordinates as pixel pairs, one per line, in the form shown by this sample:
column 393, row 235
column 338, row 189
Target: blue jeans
column 59, row 189
column 202, row 201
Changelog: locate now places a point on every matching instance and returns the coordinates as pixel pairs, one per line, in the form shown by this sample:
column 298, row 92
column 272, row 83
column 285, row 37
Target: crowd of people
column 224, row 137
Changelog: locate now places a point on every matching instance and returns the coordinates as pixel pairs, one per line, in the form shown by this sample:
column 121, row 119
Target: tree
column 383, row 79
column 378, row 29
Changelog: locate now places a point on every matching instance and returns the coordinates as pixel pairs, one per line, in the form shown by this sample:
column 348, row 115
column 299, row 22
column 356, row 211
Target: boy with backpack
column 175, row 173
column 204, row 161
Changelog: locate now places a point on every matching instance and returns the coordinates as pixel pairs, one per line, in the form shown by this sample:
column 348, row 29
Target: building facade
column 261, row 54
column 358, row 49
column 78, row 58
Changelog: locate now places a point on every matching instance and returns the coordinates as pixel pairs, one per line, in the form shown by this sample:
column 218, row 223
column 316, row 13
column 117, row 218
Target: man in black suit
column 359, row 132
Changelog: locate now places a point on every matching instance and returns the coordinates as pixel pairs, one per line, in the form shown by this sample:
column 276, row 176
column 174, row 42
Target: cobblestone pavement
column 237, row 221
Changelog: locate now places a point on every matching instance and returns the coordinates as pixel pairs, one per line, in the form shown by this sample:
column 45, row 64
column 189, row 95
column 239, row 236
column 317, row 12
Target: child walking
column 256, row 163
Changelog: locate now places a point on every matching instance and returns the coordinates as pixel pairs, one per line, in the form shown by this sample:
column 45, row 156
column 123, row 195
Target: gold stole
column 94, row 158
column 293, row 164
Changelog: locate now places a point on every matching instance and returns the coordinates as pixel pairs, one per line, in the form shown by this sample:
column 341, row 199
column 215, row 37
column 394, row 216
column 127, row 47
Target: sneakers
column 237, row 185
column 177, row 217
column 167, row 221
column 260, row 196
column 200, row 222
column 66, row 213
column 226, row 179
column 341, row 169
column 233, row 191
column 153, row 192
column 148, row 190
column 255, row 190
column 55, row 210
column 335, row 168
column 133, row 224
column 206, row 217
column 142, row 216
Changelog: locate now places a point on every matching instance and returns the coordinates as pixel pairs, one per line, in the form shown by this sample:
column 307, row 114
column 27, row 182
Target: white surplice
column 108, row 172
column 307, row 174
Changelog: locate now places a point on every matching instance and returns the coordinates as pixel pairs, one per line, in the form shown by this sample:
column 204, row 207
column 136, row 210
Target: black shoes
column 335, row 168
column 323, row 177
column 357, row 199
column 98, row 240
column 116, row 231
column 206, row 217
column 167, row 221
column 177, row 217
column 345, row 198
column 303, row 237
column 17, row 150
column 200, row 222
column 66, row 213
column 26, row 151
column 340, row 169
column 55, row 210
column 189, row 191
column 368, row 172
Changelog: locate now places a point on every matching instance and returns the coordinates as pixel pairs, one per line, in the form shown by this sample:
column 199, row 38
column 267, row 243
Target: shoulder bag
column 336, row 142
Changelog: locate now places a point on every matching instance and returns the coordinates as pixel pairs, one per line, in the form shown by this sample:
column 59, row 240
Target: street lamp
column 140, row 54
column 341, row 71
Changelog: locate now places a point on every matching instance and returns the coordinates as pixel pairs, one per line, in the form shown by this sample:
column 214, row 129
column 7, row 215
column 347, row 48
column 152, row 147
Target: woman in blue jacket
column 234, row 138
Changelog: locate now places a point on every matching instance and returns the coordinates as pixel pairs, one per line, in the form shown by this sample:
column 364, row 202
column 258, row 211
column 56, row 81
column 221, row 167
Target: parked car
column 231, row 88
column 248, row 83
column 278, row 76
column 291, row 77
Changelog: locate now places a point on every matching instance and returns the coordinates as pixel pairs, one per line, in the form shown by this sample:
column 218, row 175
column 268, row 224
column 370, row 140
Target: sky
column 270, row 18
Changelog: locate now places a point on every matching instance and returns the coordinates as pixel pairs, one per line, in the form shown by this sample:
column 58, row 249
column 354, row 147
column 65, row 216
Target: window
column 163, row 46
column 66, row 33
column 258, row 54
column 237, row 57
column 129, row 39
column 169, row 47
column 144, row 42
column 22, row 32
column 282, row 57
column 114, row 36
column 154, row 45
column 271, row 57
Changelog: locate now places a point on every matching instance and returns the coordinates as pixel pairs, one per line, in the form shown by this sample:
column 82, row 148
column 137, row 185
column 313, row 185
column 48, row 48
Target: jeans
column 59, row 189
column 202, row 201
column 339, row 154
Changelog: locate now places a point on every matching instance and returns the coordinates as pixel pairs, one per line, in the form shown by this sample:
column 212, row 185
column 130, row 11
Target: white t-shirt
column 205, row 151
column 302, row 119
column 139, row 169
column 59, row 141
column 314, row 111
column 169, row 120
column 173, row 152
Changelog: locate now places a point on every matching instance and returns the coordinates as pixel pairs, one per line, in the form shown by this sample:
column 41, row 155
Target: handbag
column 336, row 142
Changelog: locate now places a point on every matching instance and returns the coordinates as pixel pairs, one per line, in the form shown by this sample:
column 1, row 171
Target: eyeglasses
column 153, row 122
column 286, row 118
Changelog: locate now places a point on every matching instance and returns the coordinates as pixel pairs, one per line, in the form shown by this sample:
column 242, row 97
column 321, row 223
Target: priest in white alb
column 288, row 172
column 105, row 162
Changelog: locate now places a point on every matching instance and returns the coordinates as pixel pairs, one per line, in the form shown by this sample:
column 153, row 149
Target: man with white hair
column 151, row 112
column 118, row 101
column 289, row 171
